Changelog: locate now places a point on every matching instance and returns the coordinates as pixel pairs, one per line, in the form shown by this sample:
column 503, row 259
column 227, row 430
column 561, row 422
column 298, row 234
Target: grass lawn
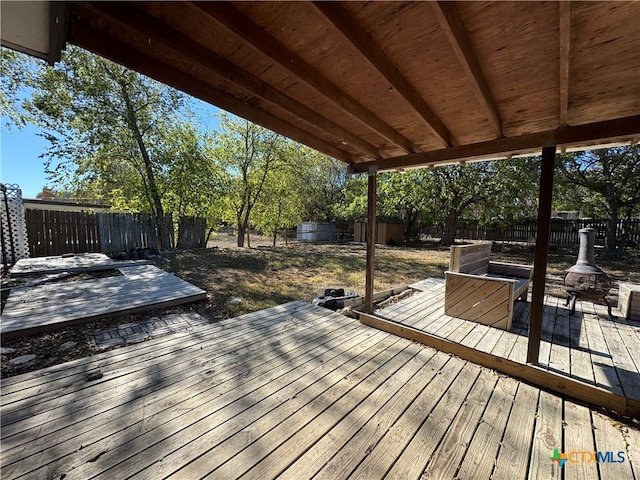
column 266, row 276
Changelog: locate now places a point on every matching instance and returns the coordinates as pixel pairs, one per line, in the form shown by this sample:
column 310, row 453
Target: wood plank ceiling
column 392, row 84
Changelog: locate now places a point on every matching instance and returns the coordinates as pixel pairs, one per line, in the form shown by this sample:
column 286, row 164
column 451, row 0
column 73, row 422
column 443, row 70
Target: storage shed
column 389, row 231
column 316, row 232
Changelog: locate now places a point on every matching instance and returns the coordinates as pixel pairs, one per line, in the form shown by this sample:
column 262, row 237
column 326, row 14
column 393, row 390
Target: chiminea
column 585, row 279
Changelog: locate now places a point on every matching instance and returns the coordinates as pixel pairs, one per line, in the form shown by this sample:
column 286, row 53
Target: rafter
column 453, row 28
column 107, row 46
column 183, row 46
column 610, row 131
column 354, row 34
column 58, row 23
column 234, row 21
column 565, row 51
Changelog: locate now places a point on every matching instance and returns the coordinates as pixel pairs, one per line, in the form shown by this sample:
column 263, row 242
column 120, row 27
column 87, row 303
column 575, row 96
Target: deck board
column 182, row 373
column 43, row 308
column 485, row 444
column 80, row 262
column 607, row 439
column 547, row 437
column 588, row 346
column 413, row 442
column 451, row 451
column 578, row 434
column 295, row 391
column 512, row 460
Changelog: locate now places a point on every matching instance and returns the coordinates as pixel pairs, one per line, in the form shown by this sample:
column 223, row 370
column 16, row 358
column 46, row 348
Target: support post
column 371, row 238
column 541, row 252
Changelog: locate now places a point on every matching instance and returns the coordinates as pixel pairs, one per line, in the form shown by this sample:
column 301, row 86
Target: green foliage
column 193, row 182
column 249, row 155
column 355, row 199
column 117, row 135
column 104, row 124
column 15, row 68
column 610, row 181
column 486, row 191
column 321, row 181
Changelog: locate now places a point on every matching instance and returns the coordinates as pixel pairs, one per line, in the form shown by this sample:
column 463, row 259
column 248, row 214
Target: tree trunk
column 206, row 240
column 450, row 227
column 610, row 251
column 410, row 222
column 241, row 234
column 241, row 230
column 155, row 200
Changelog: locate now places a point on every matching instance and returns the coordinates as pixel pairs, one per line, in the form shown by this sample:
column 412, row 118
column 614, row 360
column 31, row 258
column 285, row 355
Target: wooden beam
column 234, row 21
column 578, row 136
column 182, row 45
column 564, row 7
column 90, row 38
column 371, row 239
column 533, row 374
column 354, row 34
column 453, row 28
column 58, row 27
column 541, row 252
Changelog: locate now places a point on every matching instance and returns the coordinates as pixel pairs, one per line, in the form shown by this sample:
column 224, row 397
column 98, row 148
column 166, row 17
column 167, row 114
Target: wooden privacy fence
column 52, row 232
column 191, row 232
column 564, row 233
column 122, row 231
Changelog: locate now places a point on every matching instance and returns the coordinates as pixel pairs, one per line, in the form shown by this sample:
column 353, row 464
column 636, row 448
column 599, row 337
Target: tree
column 249, row 154
column 613, row 174
column 104, row 124
column 322, row 181
column 405, row 195
column 15, row 68
column 193, row 181
column 280, row 203
column 484, row 191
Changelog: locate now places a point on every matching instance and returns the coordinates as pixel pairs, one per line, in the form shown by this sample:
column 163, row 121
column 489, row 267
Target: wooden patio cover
column 390, row 84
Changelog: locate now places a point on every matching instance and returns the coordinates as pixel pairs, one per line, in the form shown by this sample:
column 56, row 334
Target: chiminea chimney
column 585, row 279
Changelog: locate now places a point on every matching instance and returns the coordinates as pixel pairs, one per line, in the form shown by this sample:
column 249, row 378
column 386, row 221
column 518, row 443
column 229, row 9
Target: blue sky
column 20, row 164
column 21, row 148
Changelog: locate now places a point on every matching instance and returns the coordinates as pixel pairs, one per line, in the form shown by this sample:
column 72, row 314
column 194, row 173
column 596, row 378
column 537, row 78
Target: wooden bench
column 629, row 300
column 483, row 291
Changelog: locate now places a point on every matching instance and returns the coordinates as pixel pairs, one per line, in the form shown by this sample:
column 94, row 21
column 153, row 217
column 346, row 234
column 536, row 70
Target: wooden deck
column 43, row 308
column 588, row 346
column 80, row 262
column 296, row 392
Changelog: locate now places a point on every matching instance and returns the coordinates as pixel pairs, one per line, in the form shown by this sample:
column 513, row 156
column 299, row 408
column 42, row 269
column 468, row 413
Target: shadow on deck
column 589, row 346
column 297, row 391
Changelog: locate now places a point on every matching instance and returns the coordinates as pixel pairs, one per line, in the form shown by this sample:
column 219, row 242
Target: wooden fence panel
column 120, row 232
column 564, row 233
column 191, row 232
column 52, row 232
column 35, row 232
